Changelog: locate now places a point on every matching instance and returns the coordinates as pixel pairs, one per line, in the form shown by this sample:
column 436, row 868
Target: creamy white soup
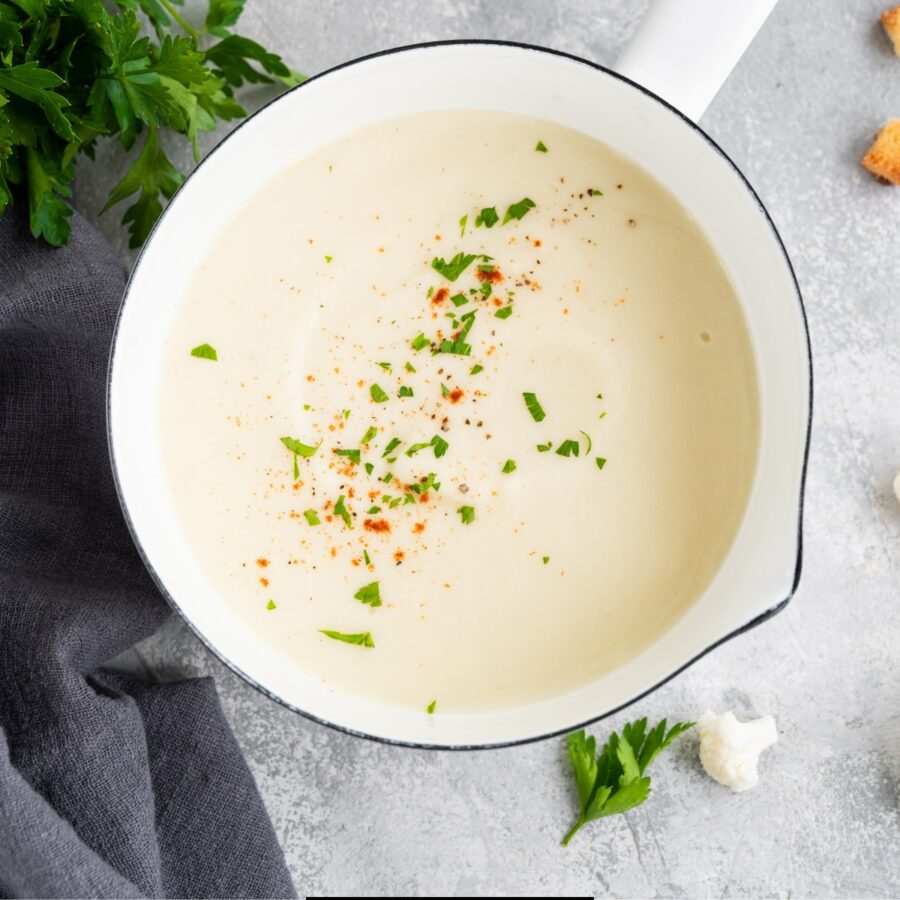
column 460, row 412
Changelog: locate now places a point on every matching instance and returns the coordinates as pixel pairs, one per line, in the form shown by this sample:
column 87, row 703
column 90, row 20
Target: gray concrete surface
column 358, row 818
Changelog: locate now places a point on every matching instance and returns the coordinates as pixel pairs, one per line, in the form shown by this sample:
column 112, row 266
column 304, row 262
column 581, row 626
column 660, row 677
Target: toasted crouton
column 890, row 21
column 883, row 158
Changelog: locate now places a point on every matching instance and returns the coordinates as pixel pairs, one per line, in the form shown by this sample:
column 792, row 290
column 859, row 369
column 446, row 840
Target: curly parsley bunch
column 73, row 71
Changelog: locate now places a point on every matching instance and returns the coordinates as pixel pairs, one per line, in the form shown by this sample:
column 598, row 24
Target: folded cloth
column 109, row 787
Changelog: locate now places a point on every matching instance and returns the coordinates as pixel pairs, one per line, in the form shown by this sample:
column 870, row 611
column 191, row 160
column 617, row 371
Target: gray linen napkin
column 108, row 787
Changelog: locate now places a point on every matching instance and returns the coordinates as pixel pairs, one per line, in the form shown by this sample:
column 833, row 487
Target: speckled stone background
column 358, row 818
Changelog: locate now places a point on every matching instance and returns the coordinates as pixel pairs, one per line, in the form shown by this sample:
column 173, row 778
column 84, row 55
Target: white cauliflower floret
column 729, row 750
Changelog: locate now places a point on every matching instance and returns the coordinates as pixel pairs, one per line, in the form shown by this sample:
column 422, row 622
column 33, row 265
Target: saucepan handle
column 684, row 50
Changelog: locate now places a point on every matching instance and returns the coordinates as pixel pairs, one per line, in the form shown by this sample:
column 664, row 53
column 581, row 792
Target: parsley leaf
column 363, row 640
column 205, row 351
column 455, row 267
column 312, row 517
column 540, row 147
column 370, row 435
column 299, row 448
column 72, row 71
column 509, row 466
column 440, row 446
column 341, row 510
column 504, row 312
column 534, row 406
column 352, row 455
column 614, row 780
column 518, row 210
column 487, row 217
column 431, row 707
column 568, row 448
column 378, row 394
column 467, row 514
column 419, row 342
column 369, row 594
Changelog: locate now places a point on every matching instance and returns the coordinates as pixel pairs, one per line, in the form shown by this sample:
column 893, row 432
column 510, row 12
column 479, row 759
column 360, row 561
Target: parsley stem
column 180, row 19
column 572, row 831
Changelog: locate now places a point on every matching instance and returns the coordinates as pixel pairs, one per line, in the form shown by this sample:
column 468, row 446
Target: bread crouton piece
column 883, row 158
column 890, row 22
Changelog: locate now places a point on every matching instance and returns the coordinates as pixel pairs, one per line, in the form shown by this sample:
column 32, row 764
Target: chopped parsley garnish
column 341, row 510
column 614, row 780
column 509, row 466
column 599, row 396
column 467, row 514
column 369, row 594
column 346, row 413
column 590, row 443
column 431, row 707
column 366, row 557
column 409, row 367
column 415, row 448
column 487, row 217
column 352, row 455
column 393, row 444
column 540, row 147
column 405, row 391
column 486, row 289
column 306, row 406
column 545, row 560
column 205, row 351
column 362, row 640
column 370, row 435
column 601, row 462
column 544, row 448
column 440, row 446
column 312, row 517
column 373, row 510
column 377, row 394
column 455, row 267
column 594, row 192
column 300, row 449
column 568, row 448
column 462, row 225
column 476, row 369
column 445, row 391
column 386, row 366
column 426, row 484
column 271, row 605
column 459, row 299
column 518, row 210
column 328, row 259
column 420, row 342
column 504, row 312
column 459, row 345
column 370, row 468
column 534, row 407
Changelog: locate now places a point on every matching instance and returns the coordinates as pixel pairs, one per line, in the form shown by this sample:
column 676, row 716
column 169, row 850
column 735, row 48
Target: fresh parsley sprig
column 75, row 71
column 613, row 781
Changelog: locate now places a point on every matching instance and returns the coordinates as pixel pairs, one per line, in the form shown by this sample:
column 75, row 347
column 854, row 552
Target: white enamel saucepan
column 646, row 110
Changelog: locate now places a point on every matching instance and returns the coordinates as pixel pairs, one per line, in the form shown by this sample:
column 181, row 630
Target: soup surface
column 482, row 419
